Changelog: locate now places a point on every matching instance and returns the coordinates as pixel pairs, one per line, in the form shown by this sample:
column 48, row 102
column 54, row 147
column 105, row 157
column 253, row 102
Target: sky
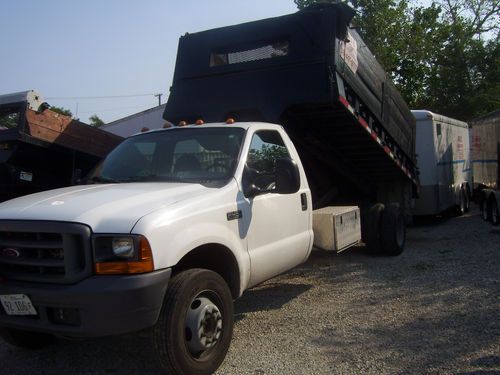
column 76, row 52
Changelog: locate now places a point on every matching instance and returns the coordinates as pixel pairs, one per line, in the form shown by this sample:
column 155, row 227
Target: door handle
column 303, row 201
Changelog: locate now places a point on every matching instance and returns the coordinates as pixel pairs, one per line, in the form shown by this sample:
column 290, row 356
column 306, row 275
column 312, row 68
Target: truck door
column 279, row 230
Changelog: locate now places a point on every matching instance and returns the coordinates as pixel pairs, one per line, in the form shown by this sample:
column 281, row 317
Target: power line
column 113, row 109
column 98, row 97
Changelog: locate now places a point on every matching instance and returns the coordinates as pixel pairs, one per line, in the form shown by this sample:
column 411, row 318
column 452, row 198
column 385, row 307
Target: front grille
column 49, row 252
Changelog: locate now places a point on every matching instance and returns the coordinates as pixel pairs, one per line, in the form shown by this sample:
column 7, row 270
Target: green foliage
column 9, row 119
column 95, row 121
column 444, row 57
column 62, row 111
column 265, row 158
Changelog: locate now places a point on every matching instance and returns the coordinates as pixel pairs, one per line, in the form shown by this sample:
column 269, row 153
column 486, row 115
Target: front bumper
column 96, row 306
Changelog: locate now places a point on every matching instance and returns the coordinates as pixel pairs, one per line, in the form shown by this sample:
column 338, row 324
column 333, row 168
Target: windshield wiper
column 153, row 178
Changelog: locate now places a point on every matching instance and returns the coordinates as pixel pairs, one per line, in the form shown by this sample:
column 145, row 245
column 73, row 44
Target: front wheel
column 195, row 326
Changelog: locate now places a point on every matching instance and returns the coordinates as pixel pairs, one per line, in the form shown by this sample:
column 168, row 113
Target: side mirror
column 287, row 176
column 251, row 190
column 284, row 180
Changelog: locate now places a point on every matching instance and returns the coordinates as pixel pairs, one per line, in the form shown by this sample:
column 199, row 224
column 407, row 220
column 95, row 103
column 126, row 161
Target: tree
column 62, row 111
column 465, row 81
column 95, row 121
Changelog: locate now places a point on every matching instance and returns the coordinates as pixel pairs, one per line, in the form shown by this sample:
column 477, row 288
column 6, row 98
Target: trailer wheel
column 495, row 217
column 393, row 230
column 463, row 205
column 484, row 209
column 373, row 227
column 195, row 326
column 26, row 339
column 467, row 197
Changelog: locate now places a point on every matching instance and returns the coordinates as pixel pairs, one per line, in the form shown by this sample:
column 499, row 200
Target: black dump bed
column 311, row 73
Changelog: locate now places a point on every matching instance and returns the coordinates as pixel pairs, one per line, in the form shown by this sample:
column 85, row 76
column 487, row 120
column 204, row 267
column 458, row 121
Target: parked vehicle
column 443, row 159
column 485, row 164
column 41, row 149
column 176, row 223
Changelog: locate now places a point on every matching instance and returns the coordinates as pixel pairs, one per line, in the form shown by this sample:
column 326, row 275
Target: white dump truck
column 443, row 159
column 176, row 223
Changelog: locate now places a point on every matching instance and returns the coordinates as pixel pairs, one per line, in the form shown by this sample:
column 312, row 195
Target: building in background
column 150, row 119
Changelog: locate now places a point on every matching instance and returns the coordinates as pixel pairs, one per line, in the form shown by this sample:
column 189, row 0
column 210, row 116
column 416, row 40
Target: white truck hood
column 108, row 208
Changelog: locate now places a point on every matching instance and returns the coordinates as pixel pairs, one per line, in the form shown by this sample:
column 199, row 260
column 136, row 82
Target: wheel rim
column 203, row 325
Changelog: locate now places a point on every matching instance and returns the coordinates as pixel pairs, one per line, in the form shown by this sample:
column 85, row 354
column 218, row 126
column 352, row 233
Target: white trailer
column 485, row 135
column 443, row 159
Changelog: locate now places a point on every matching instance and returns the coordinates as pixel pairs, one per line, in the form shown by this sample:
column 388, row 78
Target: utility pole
column 159, row 98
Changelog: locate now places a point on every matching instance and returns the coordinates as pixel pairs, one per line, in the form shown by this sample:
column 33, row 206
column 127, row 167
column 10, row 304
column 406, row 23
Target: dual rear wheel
column 385, row 229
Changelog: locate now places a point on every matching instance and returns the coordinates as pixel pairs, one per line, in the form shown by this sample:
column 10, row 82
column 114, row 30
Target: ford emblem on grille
column 9, row 252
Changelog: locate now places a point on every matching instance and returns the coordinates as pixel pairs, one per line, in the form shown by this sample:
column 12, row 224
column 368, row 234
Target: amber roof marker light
column 199, row 122
column 230, row 121
column 182, row 123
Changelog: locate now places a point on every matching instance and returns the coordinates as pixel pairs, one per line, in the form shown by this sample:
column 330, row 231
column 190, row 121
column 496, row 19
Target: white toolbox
column 336, row 228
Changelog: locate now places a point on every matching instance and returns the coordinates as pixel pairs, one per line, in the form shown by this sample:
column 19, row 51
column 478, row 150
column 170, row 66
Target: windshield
column 201, row 155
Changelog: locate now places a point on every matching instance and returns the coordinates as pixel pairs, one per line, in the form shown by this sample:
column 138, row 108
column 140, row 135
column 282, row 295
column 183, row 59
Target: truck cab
column 214, row 208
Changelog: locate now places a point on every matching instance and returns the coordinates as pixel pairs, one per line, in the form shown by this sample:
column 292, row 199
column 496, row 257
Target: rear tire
column 373, row 228
column 26, row 339
column 195, row 326
column 393, row 230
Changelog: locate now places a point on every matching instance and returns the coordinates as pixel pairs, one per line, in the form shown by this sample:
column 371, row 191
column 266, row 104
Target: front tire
column 195, row 326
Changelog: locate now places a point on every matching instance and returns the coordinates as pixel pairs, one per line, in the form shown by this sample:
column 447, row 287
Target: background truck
column 175, row 223
column 485, row 135
column 41, row 149
column 442, row 147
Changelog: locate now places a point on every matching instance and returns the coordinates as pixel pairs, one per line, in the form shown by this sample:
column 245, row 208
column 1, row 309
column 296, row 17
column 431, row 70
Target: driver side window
column 266, row 148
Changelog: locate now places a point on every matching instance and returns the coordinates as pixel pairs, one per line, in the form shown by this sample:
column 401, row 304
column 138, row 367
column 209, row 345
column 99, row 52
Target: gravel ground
column 434, row 309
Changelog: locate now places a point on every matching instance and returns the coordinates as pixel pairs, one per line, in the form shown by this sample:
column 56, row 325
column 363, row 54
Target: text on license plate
column 17, row 304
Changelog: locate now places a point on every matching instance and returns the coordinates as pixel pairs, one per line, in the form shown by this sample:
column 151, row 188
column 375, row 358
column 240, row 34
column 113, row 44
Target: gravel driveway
column 434, row 309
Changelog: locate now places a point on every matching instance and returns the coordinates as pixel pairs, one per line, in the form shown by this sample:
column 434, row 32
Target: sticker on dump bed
column 26, row 176
column 349, row 52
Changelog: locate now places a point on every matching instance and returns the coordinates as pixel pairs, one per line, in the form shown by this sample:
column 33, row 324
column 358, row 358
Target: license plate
column 17, row 304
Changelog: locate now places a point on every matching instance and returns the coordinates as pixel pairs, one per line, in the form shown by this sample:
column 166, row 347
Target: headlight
column 123, row 247
column 122, row 254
